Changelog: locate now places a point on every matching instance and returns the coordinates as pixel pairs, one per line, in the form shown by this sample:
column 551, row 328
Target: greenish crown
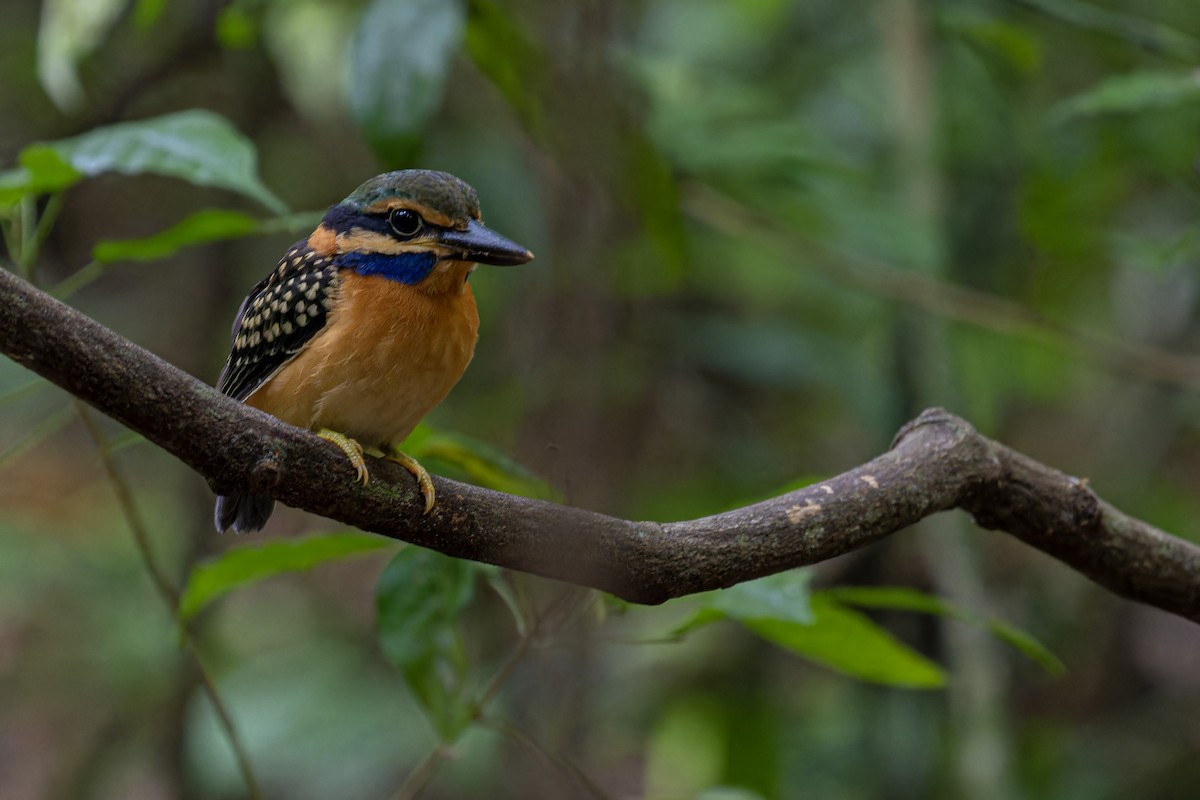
column 440, row 191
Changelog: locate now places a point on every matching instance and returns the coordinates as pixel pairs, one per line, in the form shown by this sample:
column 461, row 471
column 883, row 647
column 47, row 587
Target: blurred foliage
column 250, row 563
column 767, row 234
column 394, row 90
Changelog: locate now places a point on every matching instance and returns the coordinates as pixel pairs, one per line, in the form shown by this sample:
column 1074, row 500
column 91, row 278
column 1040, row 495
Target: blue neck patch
column 406, row 268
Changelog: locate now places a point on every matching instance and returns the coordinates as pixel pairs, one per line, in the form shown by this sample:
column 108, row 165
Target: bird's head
column 409, row 224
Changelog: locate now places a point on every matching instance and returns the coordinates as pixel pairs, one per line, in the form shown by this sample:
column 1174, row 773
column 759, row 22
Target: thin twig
column 93, row 270
column 77, row 280
column 501, row 676
column 41, row 230
column 167, row 592
column 422, row 774
column 558, row 760
column 8, row 234
column 517, row 655
column 27, row 229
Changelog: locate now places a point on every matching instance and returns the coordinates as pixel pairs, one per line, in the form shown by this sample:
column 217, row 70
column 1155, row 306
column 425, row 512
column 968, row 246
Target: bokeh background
column 767, row 234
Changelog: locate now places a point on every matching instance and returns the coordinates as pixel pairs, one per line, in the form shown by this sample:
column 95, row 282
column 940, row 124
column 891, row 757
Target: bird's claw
column 351, row 448
column 354, row 452
column 424, row 482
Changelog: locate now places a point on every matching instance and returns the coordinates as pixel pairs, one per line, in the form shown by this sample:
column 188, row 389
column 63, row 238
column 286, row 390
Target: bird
column 366, row 325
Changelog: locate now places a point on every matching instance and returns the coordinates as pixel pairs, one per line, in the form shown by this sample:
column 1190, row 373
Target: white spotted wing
column 277, row 319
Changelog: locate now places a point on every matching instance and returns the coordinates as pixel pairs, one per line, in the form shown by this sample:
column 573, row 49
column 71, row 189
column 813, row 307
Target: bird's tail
column 243, row 512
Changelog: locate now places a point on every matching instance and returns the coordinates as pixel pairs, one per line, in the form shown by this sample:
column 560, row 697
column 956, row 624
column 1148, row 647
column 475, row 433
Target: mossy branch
column 937, row 462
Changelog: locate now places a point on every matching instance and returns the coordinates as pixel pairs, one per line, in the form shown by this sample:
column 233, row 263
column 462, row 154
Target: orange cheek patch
column 323, row 241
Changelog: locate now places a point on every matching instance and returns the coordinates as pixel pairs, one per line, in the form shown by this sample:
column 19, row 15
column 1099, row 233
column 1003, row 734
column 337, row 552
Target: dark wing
column 277, row 319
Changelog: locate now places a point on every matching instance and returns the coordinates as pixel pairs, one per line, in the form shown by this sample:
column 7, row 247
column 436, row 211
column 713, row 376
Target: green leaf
column 197, row 146
column 48, row 171
column 209, row 225
column 419, row 597
column 236, row 28
column 904, row 599
column 42, row 171
column 71, row 30
column 1132, row 92
column 511, row 60
column 498, row 583
column 703, row 616
column 1025, row 643
column 419, row 592
column 480, row 463
column 148, row 12
column 1017, row 45
column 783, row 596
column 846, row 641
column 728, row 793
column 899, row 598
column 1135, row 30
column 781, row 609
column 395, row 90
column 14, row 185
column 248, row 564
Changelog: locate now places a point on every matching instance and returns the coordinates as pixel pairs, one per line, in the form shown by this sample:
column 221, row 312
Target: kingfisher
column 366, row 325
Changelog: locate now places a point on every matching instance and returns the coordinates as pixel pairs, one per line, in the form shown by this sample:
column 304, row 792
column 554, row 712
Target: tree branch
column 937, row 462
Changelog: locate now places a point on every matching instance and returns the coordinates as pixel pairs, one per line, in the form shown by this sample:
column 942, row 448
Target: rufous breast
column 388, row 355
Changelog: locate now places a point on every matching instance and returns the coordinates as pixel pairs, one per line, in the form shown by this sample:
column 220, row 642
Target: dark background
column 748, row 219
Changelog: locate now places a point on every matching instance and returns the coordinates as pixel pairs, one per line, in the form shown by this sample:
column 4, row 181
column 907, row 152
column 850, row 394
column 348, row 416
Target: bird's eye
column 405, row 223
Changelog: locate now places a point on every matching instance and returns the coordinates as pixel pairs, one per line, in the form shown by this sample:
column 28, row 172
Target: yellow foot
column 410, row 464
column 351, row 448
